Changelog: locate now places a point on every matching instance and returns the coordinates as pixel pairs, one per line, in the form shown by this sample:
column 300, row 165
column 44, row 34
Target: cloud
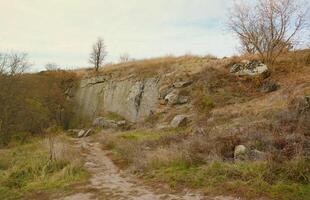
column 63, row 31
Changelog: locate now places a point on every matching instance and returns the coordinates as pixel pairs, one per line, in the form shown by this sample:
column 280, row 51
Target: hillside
column 185, row 127
column 191, row 123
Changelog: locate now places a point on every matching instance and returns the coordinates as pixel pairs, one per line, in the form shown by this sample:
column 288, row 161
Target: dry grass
column 29, row 168
column 227, row 111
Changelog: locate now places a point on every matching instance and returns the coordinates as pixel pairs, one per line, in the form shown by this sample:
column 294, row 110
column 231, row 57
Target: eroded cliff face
column 131, row 97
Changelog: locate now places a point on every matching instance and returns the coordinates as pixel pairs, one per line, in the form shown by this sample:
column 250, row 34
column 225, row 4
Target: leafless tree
column 123, row 58
column 267, row 27
column 51, row 66
column 98, row 54
column 13, row 63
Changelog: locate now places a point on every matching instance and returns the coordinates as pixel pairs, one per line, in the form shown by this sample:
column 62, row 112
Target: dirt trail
column 108, row 182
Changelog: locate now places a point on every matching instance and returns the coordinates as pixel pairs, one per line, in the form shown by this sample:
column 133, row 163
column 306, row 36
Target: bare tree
column 268, row 27
column 98, row 54
column 123, row 58
column 51, row 66
column 13, row 63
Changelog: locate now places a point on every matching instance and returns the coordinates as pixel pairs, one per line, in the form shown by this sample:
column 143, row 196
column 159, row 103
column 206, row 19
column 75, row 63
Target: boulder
column 182, row 84
column 81, row 133
column 74, row 131
column 257, row 155
column 250, row 68
column 240, row 152
column 88, row 132
column 101, row 122
column 173, row 98
column 183, row 100
column 179, row 121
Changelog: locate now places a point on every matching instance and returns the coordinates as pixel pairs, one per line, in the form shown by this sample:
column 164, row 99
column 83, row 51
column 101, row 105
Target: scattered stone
column 173, row 98
column 88, row 132
column 251, row 68
column 101, row 122
column 81, row 133
column 269, row 86
column 179, row 121
column 182, row 84
column 240, row 152
column 162, row 126
column 182, row 100
column 257, row 155
column 75, row 131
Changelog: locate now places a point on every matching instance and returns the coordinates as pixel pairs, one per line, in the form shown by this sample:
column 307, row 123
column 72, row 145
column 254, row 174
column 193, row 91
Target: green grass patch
column 247, row 179
column 27, row 168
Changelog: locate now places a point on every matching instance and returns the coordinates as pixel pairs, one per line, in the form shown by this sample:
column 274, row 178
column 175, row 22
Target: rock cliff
column 131, row 97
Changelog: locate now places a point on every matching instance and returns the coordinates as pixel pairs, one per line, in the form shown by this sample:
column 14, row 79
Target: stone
column 75, row 131
column 182, row 84
column 81, row 133
column 240, row 152
column 101, row 122
column 179, row 121
column 174, row 98
column 131, row 97
column 183, row 100
column 257, row 155
column 250, row 68
column 88, row 132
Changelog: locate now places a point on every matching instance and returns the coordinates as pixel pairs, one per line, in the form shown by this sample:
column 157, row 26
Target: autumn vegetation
column 226, row 110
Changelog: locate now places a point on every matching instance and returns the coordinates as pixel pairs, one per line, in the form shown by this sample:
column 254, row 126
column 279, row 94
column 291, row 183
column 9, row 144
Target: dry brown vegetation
column 35, row 102
column 226, row 111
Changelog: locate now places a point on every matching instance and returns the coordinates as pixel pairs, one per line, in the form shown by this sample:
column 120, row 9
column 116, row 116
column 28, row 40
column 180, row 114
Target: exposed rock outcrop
column 250, row 68
column 101, row 122
column 179, row 121
column 173, row 98
column 132, row 98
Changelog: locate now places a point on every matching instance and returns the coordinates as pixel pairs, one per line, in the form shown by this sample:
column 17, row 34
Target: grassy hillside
column 225, row 111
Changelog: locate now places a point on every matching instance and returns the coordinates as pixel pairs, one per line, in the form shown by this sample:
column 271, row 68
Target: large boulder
column 250, row 68
column 179, row 121
column 173, row 98
column 240, row 152
column 102, row 122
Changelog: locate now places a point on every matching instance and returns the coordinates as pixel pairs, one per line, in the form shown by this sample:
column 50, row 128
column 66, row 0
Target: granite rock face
column 132, row 98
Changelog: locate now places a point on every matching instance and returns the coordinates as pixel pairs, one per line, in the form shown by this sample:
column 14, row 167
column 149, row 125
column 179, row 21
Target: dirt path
column 108, row 182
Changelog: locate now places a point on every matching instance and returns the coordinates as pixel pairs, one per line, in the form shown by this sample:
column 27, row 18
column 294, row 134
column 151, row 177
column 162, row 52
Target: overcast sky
column 63, row 31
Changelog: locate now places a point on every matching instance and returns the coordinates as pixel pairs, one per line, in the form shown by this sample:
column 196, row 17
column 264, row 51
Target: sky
column 63, row 31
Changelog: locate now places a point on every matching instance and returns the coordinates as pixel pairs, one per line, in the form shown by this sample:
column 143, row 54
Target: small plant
column 206, row 103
